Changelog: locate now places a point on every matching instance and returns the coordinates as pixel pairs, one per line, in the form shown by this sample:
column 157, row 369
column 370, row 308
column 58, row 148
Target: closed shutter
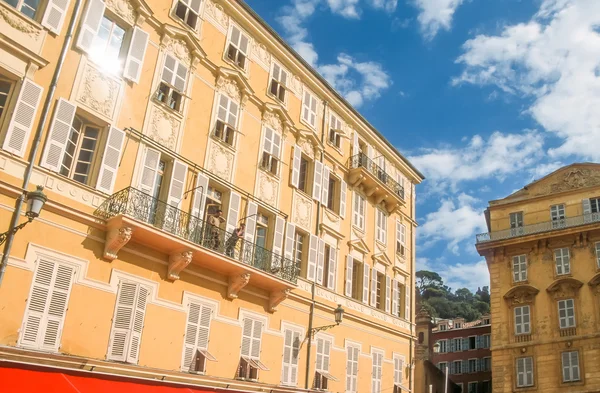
column 247, row 336
column 200, row 196
column 370, row 152
column 451, row 345
column 149, row 171
column 278, row 236
column 251, row 212
column 110, row 160
column 395, row 297
column 90, row 24
column 321, row 262
column 21, row 123
column 256, row 337
column 296, row 166
column 343, row 193
column 365, row 295
column 373, row 287
column 326, row 172
column 177, row 186
column 233, row 212
column 320, row 349
column 291, row 348
column 355, row 370
column 313, row 246
column 407, row 302
column 54, row 16
column 326, row 351
column 332, row 273
column 136, row 54
column 47, row 306
column 587, row 210
column 58, row 135
column 348, row 282
column 465, row 344
column 196, row 332
column 138, row 325
column 289, row 240
column 388, row 293
column 318, row 181
column 355, row 146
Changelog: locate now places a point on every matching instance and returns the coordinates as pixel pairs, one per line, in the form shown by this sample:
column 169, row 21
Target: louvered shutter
column 196, row 332
column 451, row 345
column 110, row 160
column 313, row 247
column 135, row 55
column 200, row 196
column 138, row 325
column 23, row 116
column 388, row 293
column 233, row 212
column 343, row 193
column 54, row 16
column 587, row 210
column 395, row 297
column 332, row 273
column 58, row 135
column 120, row 335
column 37, row 304
column 355, row 370
column 407, row 303
column 149, row 171
column 465, row 367
column 355, row 146
column 326, row 173
column 256, row 337
column 289, row 240
column 290, row 357
column 326, row 351
column 296, row 166
column 365, row 295
column 465, row 344
column 90, row 24
column 278, row 236
column 373, row 287
column 370, row 152
column 320, row 345
column 348, row 282
column 287, row 357
column 318, row 181
column 247, row 337
column 321, row 262
column 177, row 186
column 251, row 222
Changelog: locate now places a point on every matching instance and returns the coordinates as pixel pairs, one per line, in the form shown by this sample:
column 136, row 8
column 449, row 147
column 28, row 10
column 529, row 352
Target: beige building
column 142, row 120
column 543, row 254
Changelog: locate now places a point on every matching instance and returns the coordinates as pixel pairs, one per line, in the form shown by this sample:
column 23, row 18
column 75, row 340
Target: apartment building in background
column 543, row 254
column 142, row 119
column 464, row 349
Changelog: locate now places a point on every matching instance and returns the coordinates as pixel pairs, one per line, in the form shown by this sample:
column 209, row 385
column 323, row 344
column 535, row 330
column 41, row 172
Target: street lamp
column 35, row 202
column 339, row 315
column 436, row 347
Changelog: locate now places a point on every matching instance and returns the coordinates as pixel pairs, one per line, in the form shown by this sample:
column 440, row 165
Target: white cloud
column 435, row 15
column 541, row 170
column 461, row 275
column 555, row 59
column 346, row 8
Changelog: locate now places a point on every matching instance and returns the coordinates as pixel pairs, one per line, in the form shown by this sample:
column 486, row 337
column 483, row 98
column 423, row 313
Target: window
column 357, row 276
column 358, row 213
column 291, row 349
column 457, row 367
column 329, row 267
column 486, row 364
column 271, row 151
column 519, row 263
column 485, row 341
column 227, row 117
column 128, row 322
column 570, row 366
column 522, row 320
column 442, row 366
column 352, row 354
column 472, row 365
column 598, row 254
column 472, row 387
column 398, row 291
column 381, row 226
column 188, row 11
column 486, row 387
column 516, row 220
column 566, row 313
column 376, row 375
column 380, row 289
column 5, row 89
column 524, row 372
column 486, row 321
column 562, row 259
column 309, row 109
column 173, row 82
column 335, row 131
column 46, row 306
column 443, row 327
column 557, row 214
column 457, row 344
column 107, row 44
column 278, row 83
column 251, row 339
column 333, row 194
column 299, row 245
column 78, row 158
column 322, row 367
column 400, row 239
column 303, row 180
column 473, row 342
column 195, row 344
column 26, row 7
column 595, row 205
column 237, row 50
column 457, row 325
column 443, row 346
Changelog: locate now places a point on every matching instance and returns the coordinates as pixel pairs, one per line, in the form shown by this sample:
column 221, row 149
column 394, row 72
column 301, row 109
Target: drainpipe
column 38, row 136
column 313, row 286
column 412, row 288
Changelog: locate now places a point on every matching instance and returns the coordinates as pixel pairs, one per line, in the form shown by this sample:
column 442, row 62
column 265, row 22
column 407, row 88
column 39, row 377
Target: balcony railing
column 567, row 332
column 361, row 160
column 143, row 207
column 539, row 228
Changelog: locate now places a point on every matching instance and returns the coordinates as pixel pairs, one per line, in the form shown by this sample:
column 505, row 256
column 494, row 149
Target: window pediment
column 521, row 294
column 360, row 245
column 382, row 258
column 234, row 85
column 595, row 283
column 131, row 11
column 276, row 117
column 564, row 288
column 182, row 45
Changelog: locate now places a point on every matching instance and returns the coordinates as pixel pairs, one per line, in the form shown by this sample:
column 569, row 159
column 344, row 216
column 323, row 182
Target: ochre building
column 543, row 254
column 142, row 120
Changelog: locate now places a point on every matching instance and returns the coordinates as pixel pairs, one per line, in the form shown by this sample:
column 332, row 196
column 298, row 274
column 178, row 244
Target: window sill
column 23, row 17
column 380, row 243
column 338, row 149
column 232, row 63
column 168, row 108
column 333, row 212
column 517, row 283
column 224, row 144
column 74, row 182
column 361, row 230
column 307, row 124
column 304, row 193
column 283, row 103
column 185, row 26
column 269, row 173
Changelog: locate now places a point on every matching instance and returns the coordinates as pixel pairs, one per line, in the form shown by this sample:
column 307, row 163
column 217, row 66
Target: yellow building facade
column 543, row 254
column 142, row 120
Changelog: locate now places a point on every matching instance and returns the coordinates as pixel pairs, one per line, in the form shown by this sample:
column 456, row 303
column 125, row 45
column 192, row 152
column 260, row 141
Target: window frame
column 179, row 100
column 359, row 215
column 94, row 164
column 381, row 219
column 569, row 321
column 229, row 44
column 309, row 109
column 376, row 370
column 558, row 215
column 266, row 156
column 562, row 267
column 454, row 363
column 226, row 126
column 443, row 345
column 526, row 360
column 520, row 262
column 100, row 58
column 471, row 383
column 521, row 325
column 36, row 13
column 571, row 368
column 351, row 375
column 597, row 247
column 9, row 98
column 281, row 85
column 189, row 9
column 335, row 135
column 475, row 368
column 304, row 171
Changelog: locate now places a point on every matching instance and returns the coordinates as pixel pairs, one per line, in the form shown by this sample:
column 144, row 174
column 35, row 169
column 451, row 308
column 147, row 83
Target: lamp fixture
column 338, row 314
column 35, row 202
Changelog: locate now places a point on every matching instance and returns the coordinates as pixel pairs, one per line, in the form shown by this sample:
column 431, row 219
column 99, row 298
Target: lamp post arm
column 12, row 231
column 316, row 330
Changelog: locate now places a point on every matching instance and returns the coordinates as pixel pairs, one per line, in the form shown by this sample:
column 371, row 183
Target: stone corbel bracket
column 276, row 298
column 116, row 238
column 236, row 283
column 177, row 262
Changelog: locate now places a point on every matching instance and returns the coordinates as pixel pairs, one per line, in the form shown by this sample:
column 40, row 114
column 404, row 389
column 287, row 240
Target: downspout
column 313, row 286
column 412, row 288
column 38, row 136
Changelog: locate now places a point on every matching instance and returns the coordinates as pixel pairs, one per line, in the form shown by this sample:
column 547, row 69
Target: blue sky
column 484, row 96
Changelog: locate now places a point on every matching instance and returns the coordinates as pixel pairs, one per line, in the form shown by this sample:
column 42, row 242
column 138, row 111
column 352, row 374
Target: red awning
column 19, row 380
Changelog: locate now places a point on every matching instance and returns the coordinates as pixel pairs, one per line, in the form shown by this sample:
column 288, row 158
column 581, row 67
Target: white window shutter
column 319, row 365
column 366, row 275
column 23, row 116
column 317, row 181
column 407, row 302
column 290, row 231
column 388, row 293
column 200, row 196
column 332, row 273
column 247, row 336
column 321, row 262
column 395, row 297
column 295, row 353
column 348, row 281
column 90, row 24
column 110, row 160
column 326, row 172
column 135, row 55
column 343, row 193
column 296, row 166
column 287, row 357
column 256, row 338
column 149, row 170
column 138, row 324
column 177, row 186
column 58, row 135
column 120, row 335
column 251, row 212
column 370, row 152
column 233, row 213
column 196, row 332
column 313, row 246
column 278, row 236
column 587, row 206
column 54, row 16
column 355, row 146
column 373, row 287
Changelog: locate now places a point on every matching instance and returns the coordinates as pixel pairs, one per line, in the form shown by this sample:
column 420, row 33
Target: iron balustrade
column 361, row 160
column 541, row 227
column 143, row 207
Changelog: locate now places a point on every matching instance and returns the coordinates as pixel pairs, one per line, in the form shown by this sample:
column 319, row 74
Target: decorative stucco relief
column 178, row 48
column 124, row 9
column 220, row 160
column 331, row 219
column 216, row 15
column 261, row 55
column 98, row 92
column 307, row 148
column 231, row 89
column 272, row 121
column 268, row 188
column 19, row 23
column 295, row 85
column 164, row 127
column 302, row 210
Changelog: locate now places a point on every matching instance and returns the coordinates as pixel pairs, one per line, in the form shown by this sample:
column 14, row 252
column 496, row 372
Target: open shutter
column 290, row 231
column 373, row 287
column 233, row 212
column 348, row 282
column 395, row 297
column 326, row 172
column 296, row 166
column 407, row 302
column 321, row 262
column 278, row 236
column 332, row 273
column 587, row 210
column 177, row 186
column 54, row 16
column 110, row 160
column 90, row 24
column 22, row 119
column 200, row 196
column 370, row 152
column 388, row 293
column 149, row 171
column 135, row 55
column 355, row 147
column 58, row 135
column 247, row 336
column 138, row 325
column 343, row 192
column 365, row 295
column 318, row 181
column 465, row 344
column 313, row 246
column 57, row 307
column 250, row 222
column 120, row 335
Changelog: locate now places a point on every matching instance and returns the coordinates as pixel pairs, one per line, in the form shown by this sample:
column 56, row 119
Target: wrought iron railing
column 361, row 160
column 541, row 227
column 143, row 207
